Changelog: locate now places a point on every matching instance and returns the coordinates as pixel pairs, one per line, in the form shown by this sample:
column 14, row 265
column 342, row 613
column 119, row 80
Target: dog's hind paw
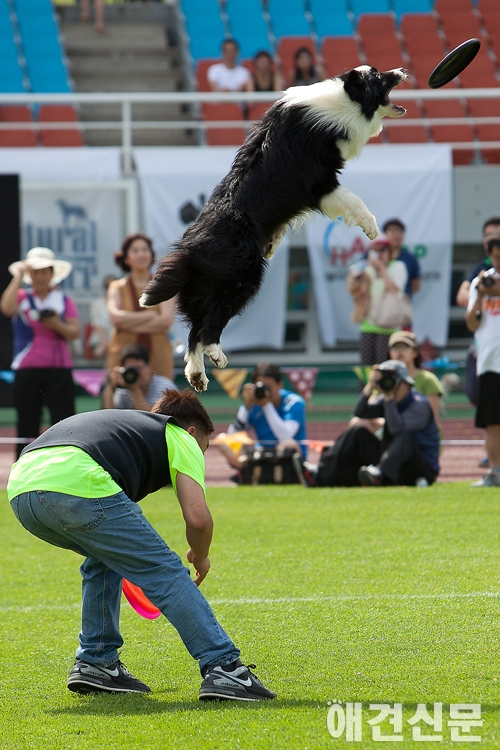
column 198, row 380
column 217, row 356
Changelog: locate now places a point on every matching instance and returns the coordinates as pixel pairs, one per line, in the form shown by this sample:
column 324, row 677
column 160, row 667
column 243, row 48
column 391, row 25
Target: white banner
column 61, row 164
column 413, row 183
column 175, row 183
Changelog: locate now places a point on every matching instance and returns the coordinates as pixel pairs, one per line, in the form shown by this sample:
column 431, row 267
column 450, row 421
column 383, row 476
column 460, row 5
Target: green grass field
column 354, row 595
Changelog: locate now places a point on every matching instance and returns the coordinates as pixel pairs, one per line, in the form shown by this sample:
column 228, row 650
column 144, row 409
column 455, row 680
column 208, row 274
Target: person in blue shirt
column 276, row 415
column 394, row 230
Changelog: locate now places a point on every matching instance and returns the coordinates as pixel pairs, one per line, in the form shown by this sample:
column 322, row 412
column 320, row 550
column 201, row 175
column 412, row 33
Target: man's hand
column 248, row 395
column 489, row 291
column 373, row 379
column 201, row 566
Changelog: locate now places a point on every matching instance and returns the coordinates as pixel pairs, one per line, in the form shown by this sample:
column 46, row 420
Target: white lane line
column 294, row 600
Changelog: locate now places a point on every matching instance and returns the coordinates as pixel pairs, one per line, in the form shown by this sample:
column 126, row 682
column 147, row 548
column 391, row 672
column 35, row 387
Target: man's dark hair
column 186, row 408
column 135, row 351
column 494, row 221
column 267, row 370
column 493, row 242
column 394, row 223
column 230, row 40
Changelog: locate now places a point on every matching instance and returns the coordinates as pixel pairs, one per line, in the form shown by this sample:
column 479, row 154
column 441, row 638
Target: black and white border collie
column 287, row 168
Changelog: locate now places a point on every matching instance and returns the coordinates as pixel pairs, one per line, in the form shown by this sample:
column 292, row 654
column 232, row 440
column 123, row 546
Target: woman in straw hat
column 44, row 321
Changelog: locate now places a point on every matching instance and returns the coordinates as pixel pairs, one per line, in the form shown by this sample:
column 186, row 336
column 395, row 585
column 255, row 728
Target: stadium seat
column 288, row 18
column 339, row 54
column 330, row 19
column 423, row 44
column 224, row 136
column 480, row 73
column 491, row 21
column 411, row 6
column 380, row 44
column 487, row 131
column 288, row 46
column 248, row 26
column 459, row 25
column 11, row 75
column 256, row 110
column 450, row 6
column 201, row 71
column 14, row 138
column 370, row 6
column 59, row 113
column 41, row 46
column 409, row 133
column 204, row 27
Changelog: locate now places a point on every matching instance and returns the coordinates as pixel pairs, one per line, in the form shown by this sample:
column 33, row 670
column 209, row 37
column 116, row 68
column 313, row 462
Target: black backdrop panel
column 10, row 251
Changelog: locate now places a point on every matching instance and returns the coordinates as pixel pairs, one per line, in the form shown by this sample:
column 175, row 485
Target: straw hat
column 43, row 257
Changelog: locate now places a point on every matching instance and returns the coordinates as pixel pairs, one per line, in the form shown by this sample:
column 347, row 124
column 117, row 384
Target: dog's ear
column 353, row 79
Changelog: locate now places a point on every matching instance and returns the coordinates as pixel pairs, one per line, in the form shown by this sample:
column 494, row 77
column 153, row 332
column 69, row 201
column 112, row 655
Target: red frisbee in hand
column 138, row 601
column 455, row 61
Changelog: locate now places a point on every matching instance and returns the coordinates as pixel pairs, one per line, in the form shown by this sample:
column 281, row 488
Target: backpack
column 270, row 465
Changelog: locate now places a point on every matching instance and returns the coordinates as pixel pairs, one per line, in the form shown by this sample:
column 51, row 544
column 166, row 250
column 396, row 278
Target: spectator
column 98, row 15
column 44, row 321
column 305, row 70
column 228, row 75
column 265, row 77
column 132, row 323
column 394, row 230
column 408, row 453
column 483, row 319
column 491, row 228
column 277, row 417
column 136, row 388
column 370, row 283
column 100, row 326
column 78, row 487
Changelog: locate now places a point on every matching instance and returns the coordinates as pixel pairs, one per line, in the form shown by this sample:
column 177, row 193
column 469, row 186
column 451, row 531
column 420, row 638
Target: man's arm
column 475, row 306
column 415, row 285
column 199, row 524
column 416, row 417
column 463, row 294
column 283, row 429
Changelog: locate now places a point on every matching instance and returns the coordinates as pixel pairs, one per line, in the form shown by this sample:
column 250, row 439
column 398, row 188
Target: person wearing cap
column 44, row 321
column 394, row 230
column 367, row 286
column 408, row 453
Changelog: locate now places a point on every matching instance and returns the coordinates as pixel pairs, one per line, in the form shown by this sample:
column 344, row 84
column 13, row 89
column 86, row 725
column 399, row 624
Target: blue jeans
column 118, row 542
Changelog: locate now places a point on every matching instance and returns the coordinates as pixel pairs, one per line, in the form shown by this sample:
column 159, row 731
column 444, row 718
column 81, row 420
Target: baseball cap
column 403, row 337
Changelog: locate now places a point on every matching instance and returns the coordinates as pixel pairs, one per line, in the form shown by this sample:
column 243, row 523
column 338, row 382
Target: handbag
column 392, row 310
column 270, row 465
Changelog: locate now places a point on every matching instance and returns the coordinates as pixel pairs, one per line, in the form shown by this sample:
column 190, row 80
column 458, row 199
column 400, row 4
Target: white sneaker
column 490, row 480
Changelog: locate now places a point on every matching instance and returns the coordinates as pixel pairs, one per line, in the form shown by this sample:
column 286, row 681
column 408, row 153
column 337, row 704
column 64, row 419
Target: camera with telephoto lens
column 261, row 390
column 129, row 374
column 388, row 381
column 489, row 277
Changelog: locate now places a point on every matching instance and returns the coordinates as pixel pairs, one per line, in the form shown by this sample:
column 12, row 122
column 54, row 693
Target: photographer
column 276, row 415
column 133, row 385
column 483, row 319
column 409, row 450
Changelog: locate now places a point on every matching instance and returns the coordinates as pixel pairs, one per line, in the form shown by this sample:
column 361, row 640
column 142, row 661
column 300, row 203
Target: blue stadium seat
column 329, row 20
column 204, row 27
column 205, row 46
column 370, row 6
column 247, row 26
column 288, row 18
column 11, row 75
column 412, row 6
column 41, row 46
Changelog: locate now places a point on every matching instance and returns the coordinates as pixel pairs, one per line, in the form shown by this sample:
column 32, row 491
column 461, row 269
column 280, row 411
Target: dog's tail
column 169, row 278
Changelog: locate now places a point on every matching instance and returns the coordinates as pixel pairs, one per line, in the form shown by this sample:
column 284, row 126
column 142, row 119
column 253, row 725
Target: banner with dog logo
column 175, row 184
column 414, row 184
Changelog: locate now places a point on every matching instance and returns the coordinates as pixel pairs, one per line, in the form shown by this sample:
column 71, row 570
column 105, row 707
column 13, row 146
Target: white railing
column 127, row 125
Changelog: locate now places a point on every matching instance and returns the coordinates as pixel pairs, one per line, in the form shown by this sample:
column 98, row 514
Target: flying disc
column 138, row 601
column 455, row 61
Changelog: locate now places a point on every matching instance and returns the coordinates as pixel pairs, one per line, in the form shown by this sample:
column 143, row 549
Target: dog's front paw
column 216, row 355
column 198, row 380
column 370, row 228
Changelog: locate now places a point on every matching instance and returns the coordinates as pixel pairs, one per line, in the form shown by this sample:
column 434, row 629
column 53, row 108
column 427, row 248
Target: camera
column 489, row 277
column 129, row 374
column 388, row 381
column 47, row 313
column 261, row 390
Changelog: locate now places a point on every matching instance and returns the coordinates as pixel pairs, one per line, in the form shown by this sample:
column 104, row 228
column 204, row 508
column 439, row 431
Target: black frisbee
column 453, row 64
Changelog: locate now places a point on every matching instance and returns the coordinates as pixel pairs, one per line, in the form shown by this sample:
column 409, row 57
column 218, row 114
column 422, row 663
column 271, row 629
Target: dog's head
column 371, row 90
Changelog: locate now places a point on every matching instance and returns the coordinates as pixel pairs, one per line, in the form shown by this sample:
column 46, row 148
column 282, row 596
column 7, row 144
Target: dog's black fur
column 289, row 162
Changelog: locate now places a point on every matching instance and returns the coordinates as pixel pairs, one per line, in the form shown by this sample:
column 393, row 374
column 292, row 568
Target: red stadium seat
column 59, row 113
column 288, row 46
column 449, row 6
column 380, row 44
column 423, row 43
column 410, row 133
column 255, row 111
column 480, row 73
column 13, row 138
column 491, row 20
column 459, row 25
column 339, row 54
column 486, row 131
column 224, row 136
column 201, row 73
